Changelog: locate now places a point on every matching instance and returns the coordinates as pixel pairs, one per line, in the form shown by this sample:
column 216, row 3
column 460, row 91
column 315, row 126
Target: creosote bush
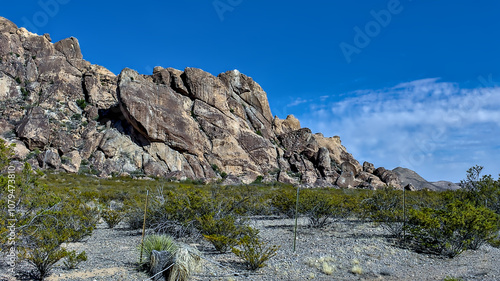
column 73, row 259
column 42, row 257
column 111, row 217
column 45, row 219
column 253, row 251
column 451, row 230
column 385, row 207
column 319, row 207
column 223, row 231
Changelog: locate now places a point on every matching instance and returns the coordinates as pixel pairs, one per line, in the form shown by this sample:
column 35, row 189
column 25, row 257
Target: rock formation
column 65, row 113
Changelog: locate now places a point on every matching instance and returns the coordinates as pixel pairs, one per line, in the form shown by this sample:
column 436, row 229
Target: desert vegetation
column 55, row 208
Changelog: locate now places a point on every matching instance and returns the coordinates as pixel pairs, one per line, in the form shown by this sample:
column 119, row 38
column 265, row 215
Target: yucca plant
column 167, row 259
column 156, row 242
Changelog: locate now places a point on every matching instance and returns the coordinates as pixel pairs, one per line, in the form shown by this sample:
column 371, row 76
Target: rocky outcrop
column 389, row 177
column 34, row 129
column 80, row 117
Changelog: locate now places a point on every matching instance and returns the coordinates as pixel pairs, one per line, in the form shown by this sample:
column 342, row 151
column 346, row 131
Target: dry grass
column 323, row 264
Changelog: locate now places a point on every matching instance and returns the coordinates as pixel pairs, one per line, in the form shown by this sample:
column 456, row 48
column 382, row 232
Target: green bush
column 111, row 217
column 317, row 207
column 42, row 246
column 451, row 230
column 385, row 207
column 176, row 213
column 253, row 251
column 73, row 260
column 222, row 231
column 82, row 104
column 481, row 191
column 6, row 152
column 284, row 201
column 44, row 219
column 78, row 219
column 43, row 257
column 258, row 180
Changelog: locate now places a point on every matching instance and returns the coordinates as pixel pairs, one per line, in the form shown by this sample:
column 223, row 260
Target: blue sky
column 403, row 83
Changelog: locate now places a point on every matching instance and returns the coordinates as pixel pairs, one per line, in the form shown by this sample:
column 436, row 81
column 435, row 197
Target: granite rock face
column 79, row 117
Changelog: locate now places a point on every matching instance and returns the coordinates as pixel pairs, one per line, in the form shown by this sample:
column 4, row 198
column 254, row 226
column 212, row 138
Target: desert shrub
column 495, row 242
column 481, row 190
column 73, row 260
column 176, row 213
column 43, row 257
column 385, row 207
column 134, row 217
column 258, row 180
column 6, row 153
column 451, row 230
column 44, row 219
column 253, row 251
column 111, row 217
column 240, row 200
column 80, row 221
column 82, row 104
column 284, row 201
column 251, row 201
column 41, row 246
column 221, row 231
column 42, row 237
column 317, row 207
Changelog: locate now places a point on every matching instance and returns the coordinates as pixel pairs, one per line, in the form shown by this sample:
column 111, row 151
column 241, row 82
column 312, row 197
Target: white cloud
column 436, row 128
column 297, row 102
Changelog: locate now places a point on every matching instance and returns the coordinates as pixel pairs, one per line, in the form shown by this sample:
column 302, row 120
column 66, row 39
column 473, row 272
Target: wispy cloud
column 298, row 101
column 436, row 128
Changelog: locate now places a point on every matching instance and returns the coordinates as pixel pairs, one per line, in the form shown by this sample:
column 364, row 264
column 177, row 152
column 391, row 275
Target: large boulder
column 338, row 152
column 324, row 161
column 34, row 130
column 347, row 178
column 70, row 48
column 368, row 167
column 300, row 141
column 207, row 88
column 288, row 125
column 71, row 162
column 50, row 159
column 100, row 86
column 250, row 92
column 389, row 177
column 159, row 114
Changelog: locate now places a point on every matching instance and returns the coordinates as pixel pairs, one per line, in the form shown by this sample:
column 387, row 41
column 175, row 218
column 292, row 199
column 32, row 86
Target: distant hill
column 407, row 176
column 446, row 185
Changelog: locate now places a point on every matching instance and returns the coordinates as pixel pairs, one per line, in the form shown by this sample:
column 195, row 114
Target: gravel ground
column 347, row 250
